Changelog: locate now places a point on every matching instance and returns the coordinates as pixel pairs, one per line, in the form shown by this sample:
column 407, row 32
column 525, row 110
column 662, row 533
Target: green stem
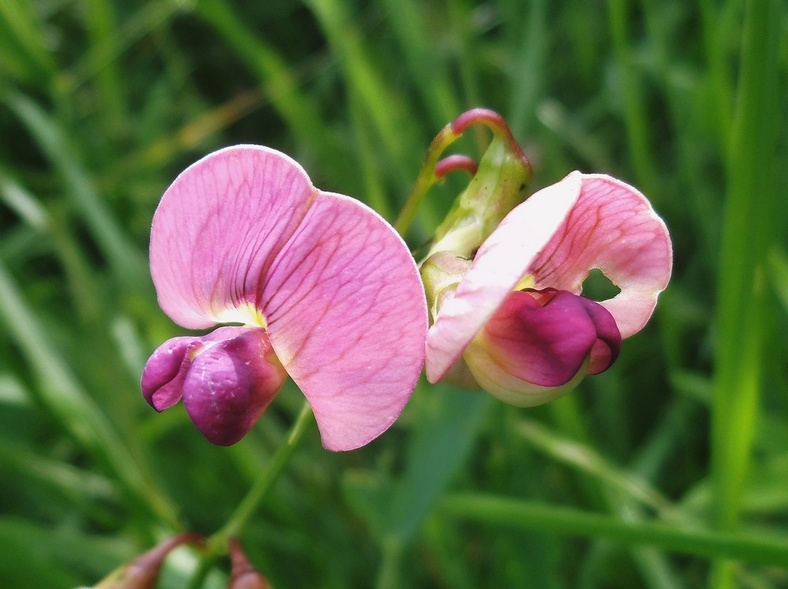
column 531, row 515
column 217, row 543
column 433, row 170
column 426, row 178
column 388, row 574
column 268, row 477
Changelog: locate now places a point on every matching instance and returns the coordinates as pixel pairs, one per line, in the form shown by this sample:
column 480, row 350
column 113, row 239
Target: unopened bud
column 143, row 571
column 244, row 575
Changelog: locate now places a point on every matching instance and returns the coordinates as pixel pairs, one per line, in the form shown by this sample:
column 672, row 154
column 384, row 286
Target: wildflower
column 305, row 283
column 504, row 277
column 513, row 321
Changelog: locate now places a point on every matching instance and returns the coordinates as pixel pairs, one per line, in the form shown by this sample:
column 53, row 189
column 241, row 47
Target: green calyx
column 498, row 186
column 442, row 273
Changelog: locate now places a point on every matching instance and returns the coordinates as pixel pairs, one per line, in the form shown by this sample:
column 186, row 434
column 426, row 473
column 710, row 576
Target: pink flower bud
column 243, row 574
column 143, row 571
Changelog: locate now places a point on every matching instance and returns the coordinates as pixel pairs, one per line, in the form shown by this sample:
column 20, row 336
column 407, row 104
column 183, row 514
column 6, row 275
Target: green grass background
column 668, row 471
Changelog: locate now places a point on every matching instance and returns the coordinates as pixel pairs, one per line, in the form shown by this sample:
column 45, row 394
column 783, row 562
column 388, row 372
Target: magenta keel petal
column 230, row 383
column 608, row 342
column 544, row 345
column 226, row 379
column 164, row 372
column 539, row 345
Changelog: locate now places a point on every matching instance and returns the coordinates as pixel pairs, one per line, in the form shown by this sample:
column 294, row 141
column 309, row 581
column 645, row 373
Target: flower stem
column 218, row 542
column 433, row 169
column 496, row 123
column 426, row 178
column 268, row 477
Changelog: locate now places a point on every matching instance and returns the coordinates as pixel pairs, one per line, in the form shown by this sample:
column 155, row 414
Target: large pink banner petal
column 347, row 318
column 219, row 227
column 499, row 265
column 612, row 227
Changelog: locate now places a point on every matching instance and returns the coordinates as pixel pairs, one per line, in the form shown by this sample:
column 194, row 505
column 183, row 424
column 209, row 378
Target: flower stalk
column 257, row 493
column 504, row 155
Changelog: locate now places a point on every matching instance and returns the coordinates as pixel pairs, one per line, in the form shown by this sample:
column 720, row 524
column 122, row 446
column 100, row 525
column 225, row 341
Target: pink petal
column 162, row 377
column 243, row 236
column 347, row 317
column 608, row 343
column 539, row 345
column 218, row 229
column 544, row 343
column 611, row 227
column 230, row 383
column 500, row 263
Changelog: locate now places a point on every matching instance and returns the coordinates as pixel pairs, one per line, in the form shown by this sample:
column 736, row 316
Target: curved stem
column 434, row 168
column 218, row 542
column 496, row 123
column 426, row 178
column 456, row 162
column 257, row 493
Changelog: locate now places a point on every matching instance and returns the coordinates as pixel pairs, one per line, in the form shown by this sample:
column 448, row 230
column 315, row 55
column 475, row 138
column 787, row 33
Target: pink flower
column 512, row 320
column 314, row 285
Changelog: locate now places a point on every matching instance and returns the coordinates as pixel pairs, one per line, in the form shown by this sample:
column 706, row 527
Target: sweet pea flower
column 512, row 320
column 301, row 282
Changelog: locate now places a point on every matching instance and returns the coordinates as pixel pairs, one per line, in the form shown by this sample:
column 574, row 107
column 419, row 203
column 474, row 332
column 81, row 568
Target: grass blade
column 744, row 307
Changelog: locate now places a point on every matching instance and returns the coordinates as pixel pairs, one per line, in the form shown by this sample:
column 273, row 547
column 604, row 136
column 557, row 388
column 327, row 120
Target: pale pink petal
column 219, row 227
column 347, row 318
column 500, row 263
column 612, row 227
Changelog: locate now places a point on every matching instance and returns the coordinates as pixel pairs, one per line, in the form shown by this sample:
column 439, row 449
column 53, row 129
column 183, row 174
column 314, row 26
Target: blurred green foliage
column 103, row 102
